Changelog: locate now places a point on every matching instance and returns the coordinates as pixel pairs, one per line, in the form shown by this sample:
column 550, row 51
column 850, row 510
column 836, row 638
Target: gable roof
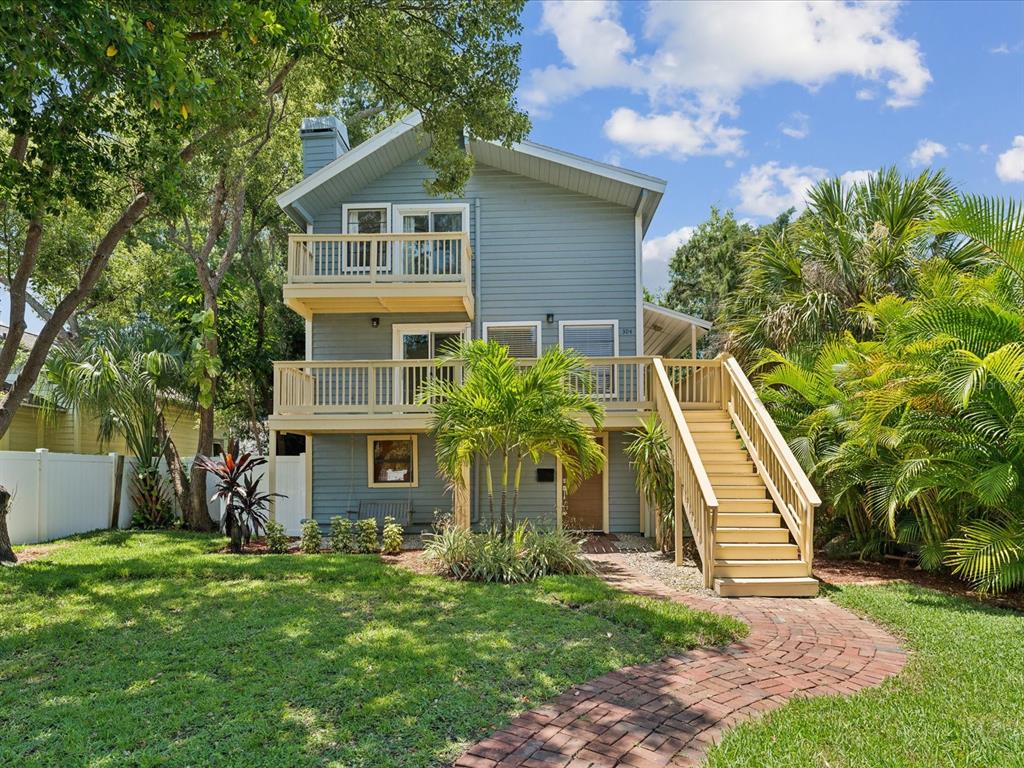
column 402, row 141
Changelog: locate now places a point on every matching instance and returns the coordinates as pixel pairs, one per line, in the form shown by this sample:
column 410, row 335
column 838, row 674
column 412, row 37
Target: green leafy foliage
column 650, row 456
column 366, row 536
column 342, row 535
column 501, row 414
column 906, row 404
column 277, row 538
column 525, row 554
column 391, row 537
column 245, row 505
column 310, row 538
column 153, row 508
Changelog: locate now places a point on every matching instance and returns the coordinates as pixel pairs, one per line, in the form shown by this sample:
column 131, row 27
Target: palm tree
column 854, row 243
column 505, row 413
column 650, row 455
column 126, row 376
column 920, row 433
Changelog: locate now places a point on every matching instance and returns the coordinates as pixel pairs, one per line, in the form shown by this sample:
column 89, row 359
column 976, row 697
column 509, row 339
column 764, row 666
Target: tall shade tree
column 499, row 412
column 104, row 106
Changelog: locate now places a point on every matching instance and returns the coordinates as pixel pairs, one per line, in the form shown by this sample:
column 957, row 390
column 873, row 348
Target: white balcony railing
column 389, row 258
column 373, row 387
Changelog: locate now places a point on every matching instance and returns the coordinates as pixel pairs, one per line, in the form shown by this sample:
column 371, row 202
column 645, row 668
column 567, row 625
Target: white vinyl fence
column 60, row 494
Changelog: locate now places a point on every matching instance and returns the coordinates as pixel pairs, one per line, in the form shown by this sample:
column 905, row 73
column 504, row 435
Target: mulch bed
column 868, row 572
column 411, row 560
column 28, row 554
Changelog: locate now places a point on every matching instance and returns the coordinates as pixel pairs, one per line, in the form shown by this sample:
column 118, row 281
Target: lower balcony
column 358, row 395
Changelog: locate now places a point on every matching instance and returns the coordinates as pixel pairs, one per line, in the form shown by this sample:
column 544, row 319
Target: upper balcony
column 389, row 272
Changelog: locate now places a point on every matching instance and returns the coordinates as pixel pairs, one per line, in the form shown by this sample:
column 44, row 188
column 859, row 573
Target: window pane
column 590, row 340
column 367, row 221
column 418, row 222
column 447, row 222
column 392, row 461
column 444, row 342
column 415, row 346
column 521, row 340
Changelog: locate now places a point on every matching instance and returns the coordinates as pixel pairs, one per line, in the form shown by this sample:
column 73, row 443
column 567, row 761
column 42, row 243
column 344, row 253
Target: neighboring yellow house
column 74, row 432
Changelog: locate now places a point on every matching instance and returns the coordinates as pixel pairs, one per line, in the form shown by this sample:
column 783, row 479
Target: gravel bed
column 685, row 578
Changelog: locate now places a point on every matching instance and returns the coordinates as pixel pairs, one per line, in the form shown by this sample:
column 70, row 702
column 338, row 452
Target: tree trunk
column 180, row 484
column 201, row 520
column 6, row 550
column 234, row 531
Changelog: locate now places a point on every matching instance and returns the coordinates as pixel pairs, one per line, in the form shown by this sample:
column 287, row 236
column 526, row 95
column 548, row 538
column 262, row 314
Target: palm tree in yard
column 854, row 243
column 501, row 413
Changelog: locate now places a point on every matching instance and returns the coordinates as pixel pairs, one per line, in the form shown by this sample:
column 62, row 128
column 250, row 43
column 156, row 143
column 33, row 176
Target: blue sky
column 744, row 105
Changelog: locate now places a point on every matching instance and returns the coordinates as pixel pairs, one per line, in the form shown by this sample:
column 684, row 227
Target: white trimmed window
column 392, row 461
column 594, row 338
column 591, row 338
column 522, row 339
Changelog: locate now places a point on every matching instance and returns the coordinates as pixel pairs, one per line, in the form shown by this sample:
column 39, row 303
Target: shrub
column 310, row 540
column 277, row 539
column 366, row 536
column 391, row 538
column 152, row 506
column 342, row 536
column 523, row 555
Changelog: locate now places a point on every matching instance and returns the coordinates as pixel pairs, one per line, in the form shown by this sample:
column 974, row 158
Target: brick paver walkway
column 667, row 713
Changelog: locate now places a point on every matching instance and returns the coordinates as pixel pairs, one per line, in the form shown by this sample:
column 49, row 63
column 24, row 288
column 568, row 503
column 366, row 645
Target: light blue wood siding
column 319, row 149
column 340, row 480
column 540, row 249
column 352, row 337
column 623, row 499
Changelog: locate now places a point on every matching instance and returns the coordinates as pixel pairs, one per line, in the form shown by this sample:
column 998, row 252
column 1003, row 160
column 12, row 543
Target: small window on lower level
column 392, row 461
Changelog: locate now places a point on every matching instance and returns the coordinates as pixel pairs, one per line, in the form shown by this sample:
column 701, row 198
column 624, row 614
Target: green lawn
column 959, row 702
column 147, row 649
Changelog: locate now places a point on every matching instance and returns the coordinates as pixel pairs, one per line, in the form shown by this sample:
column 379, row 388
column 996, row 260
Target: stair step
column 708, row 415
column 754, row 550
column 749, row 519
column 749, row 535
column 725, row 427
column 717, row 441
column 735, row 480
column 745, row 505
column 722, row 453
column 798, row 586
column 714, row 466
column 730, row 491
column 760, row 568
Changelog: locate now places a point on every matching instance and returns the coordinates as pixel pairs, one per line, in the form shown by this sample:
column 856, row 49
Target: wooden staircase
column 753, row 551
column 749, row 506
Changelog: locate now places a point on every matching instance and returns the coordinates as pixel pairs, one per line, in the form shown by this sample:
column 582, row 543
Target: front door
column 583, row 509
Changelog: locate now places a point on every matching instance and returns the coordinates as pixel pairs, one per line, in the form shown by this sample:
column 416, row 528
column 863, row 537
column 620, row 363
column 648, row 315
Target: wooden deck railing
column 393, row 386
column 792, row 492
column 694, row 495
column 391, row 258
column 696, row 383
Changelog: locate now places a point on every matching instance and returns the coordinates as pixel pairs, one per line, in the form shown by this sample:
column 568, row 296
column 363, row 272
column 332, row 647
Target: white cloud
column 770, row 189
column 1010, row 165
column 865, row 94
column 798, row 127
column 658, row 252
column 674, row 133
column 697, row 59
column 983, row 148
column 855, row 177
column 926, row 151
column 1001, row 48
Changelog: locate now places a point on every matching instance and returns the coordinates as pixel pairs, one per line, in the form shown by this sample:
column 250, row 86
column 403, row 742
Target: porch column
column 693, row 342
column 461, row 508
column 680, row 521
column 272, row 473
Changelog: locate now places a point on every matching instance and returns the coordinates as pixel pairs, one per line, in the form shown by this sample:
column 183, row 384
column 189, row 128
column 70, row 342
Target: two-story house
column 543, row 248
